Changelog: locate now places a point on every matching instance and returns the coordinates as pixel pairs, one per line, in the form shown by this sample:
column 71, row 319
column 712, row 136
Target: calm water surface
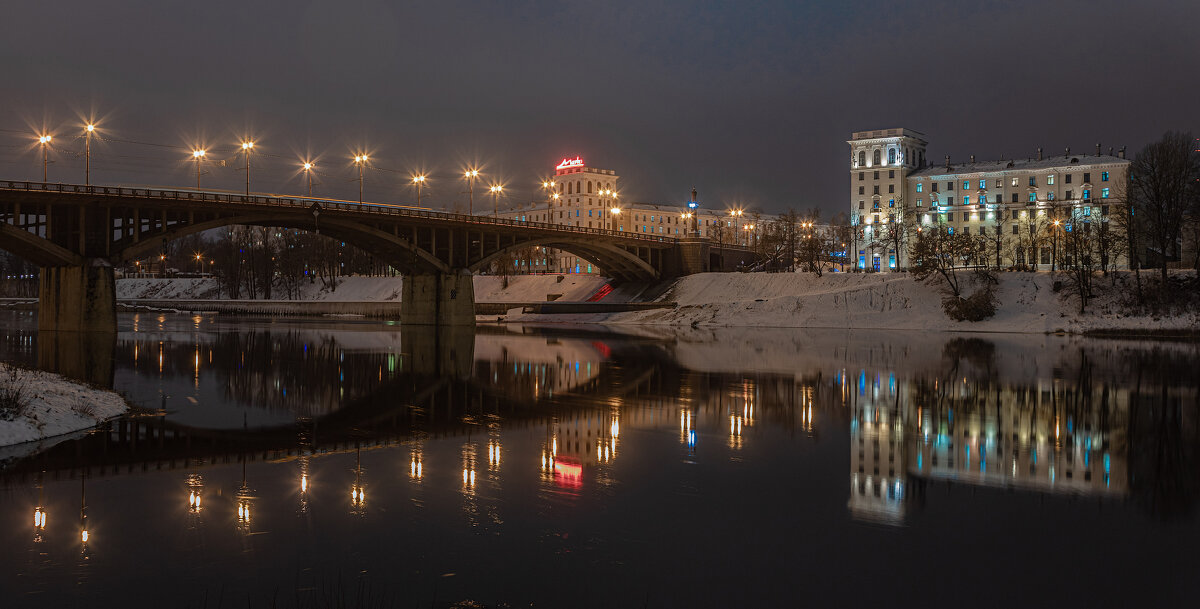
column 339, row 463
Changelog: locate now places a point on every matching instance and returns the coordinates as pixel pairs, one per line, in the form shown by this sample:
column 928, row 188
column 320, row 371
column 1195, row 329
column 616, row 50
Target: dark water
column 349, row 463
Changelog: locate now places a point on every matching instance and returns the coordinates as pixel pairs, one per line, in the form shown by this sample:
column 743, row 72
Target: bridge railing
column 205, row 196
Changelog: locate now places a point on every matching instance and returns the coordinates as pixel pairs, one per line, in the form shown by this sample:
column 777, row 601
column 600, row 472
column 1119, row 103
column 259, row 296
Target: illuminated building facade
column 588, row 197
column 1021, row 204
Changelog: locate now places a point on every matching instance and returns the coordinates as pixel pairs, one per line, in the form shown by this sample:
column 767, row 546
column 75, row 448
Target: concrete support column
column 78, row 298
column 440, row 299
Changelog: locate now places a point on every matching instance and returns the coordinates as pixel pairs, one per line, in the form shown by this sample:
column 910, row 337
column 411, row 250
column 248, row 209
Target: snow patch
column 52, row 406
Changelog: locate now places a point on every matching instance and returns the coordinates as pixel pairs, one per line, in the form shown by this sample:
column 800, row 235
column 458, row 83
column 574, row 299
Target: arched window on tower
column 876, row 157
column 578, row 186
column 589, row 187
column 569, row 188
column 862, row 158
column 891, row 156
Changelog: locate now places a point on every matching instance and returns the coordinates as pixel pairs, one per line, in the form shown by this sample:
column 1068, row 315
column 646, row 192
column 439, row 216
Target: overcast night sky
column 750, row 102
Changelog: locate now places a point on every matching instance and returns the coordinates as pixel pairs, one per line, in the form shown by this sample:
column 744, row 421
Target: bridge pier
column 78, row 298
column 439, row 299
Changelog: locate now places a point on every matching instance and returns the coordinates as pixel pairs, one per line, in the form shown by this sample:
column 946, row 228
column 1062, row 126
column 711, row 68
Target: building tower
column 880, row 161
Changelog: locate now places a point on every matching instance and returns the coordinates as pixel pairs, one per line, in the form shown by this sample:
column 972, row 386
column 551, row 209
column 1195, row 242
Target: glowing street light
column 44, row 140
column 360, row 160
column 418, row 180
column 496, row 191
column 88, row 130
column 308, row 169
column 247, row 148
column 615, row 211
column 198, row 154
column 470, row 176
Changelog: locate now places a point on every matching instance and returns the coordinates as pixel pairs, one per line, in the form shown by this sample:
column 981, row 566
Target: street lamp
column 308, row 169
column 737, row 217
column 247, row 147
column 198, row 154
column 418, row 180
column 496, row 191
column 470, row 176
column 1053, row 245
column 685, row 216
column 360, row 160
column 88, row 129
column 45, row 142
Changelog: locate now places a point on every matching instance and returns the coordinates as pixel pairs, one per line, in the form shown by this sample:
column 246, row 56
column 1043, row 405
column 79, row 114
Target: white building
column 588, row 197
column 1018, row 200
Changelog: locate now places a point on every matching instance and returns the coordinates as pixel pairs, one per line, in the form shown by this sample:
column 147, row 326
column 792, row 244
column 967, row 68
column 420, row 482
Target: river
column 346, row 462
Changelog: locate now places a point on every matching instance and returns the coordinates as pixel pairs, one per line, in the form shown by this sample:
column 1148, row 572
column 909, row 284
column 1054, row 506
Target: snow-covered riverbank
column 1026, row 302
column 36, row 405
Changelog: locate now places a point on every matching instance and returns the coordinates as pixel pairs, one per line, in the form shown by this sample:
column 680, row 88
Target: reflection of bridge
column 76, row 233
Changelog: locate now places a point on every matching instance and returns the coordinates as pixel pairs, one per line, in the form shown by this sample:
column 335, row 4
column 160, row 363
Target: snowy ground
column 1027, row 303
column 54, row 406
column 488, row 288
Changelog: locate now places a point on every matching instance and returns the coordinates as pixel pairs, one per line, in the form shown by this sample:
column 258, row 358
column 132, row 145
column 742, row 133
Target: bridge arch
column 396, row 251
column 614, row 259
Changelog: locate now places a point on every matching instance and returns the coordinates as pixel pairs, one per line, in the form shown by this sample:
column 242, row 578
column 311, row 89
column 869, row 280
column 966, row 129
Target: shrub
column 977, row 307
column 14, row 398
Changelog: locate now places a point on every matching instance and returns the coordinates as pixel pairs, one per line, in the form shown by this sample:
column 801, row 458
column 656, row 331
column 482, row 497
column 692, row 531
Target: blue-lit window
column 1104, row 193
column 982, row 184
column 892, row 202
column 1103, row 176
column 920, row 187
column 1033, row 197
column 966, row 185
column 891, row 156
column 966, row 199
column 950, row 230
column 589, row 213
column 1087, row 211
column 1050, row 195
column 1033, row 180
column 1087, row 193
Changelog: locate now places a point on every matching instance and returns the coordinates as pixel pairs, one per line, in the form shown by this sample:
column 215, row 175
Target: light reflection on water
column 286, row 455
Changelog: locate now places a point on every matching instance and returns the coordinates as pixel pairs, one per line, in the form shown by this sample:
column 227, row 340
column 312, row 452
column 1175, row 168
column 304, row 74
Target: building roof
column 1053, row 162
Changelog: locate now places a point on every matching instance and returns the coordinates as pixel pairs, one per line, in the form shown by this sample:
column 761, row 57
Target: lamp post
column 88, row 129
column 470, row 176
column 45, row 142
column 616, row 211
column 737, row 219
column 247, row 147
column 198, row 154
column 496, row 191
column 1053, row 245
column 418, row 180
column 360, row 160
column 685, row 216
column 308, row 169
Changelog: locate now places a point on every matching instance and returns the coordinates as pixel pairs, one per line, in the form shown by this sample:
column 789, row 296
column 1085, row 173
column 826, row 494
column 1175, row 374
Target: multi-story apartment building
column 1019, row 204
column 589, row 197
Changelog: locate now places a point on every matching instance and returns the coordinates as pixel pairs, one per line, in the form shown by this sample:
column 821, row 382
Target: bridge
column 77, row 233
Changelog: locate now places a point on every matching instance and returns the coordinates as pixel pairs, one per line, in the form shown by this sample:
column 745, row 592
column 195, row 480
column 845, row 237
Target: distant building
column 589, row 197
column 1021, row 201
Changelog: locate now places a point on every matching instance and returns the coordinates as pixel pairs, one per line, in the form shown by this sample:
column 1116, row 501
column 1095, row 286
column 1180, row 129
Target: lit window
column 1104, row 193
column 892, row 202
column 1050, row 180
column 1087, row 193
column 966, row 185
column 1050, row 195
column 982, row 184
column 966, row 199
column 1033, row 197
column 1014, row 181
column 920, row 187
column 1103, row 176
column 920, row 202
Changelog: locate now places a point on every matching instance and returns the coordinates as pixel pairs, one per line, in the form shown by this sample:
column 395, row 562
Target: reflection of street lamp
column 470, row 176
column 198, row 154
column 360, row 160
column 418, row 180
column 44, row 140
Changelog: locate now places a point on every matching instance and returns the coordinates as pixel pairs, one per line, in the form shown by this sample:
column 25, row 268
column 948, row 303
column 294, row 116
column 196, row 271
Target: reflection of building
column 1046, row 438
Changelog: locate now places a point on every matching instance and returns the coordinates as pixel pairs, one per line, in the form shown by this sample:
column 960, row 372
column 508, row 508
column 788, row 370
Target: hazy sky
column 748, row 101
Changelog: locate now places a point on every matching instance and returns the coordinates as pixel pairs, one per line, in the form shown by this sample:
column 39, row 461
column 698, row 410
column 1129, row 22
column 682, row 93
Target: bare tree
column 1163, row 186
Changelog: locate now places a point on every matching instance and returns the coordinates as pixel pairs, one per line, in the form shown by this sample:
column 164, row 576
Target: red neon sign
column 575, row 162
